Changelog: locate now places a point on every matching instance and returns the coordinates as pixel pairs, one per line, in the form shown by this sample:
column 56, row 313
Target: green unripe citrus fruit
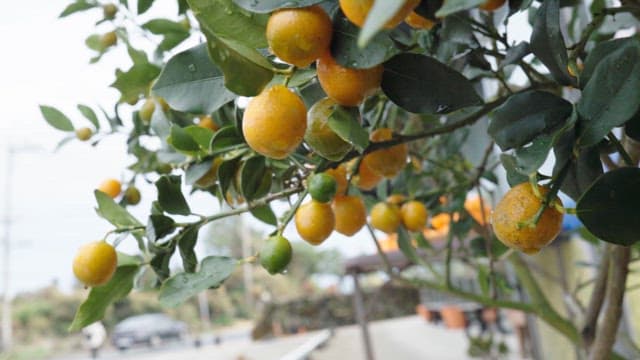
column 132, row 195
column 84, row 134
column 109, row 11
column 322, row 187
column 275, row 254
column 146, row 111
column 319, row 136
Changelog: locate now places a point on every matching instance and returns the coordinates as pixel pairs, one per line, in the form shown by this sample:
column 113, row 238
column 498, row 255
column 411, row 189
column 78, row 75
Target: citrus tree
column 368, row 107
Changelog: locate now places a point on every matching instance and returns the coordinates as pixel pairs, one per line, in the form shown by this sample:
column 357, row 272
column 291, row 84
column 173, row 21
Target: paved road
column 408, row 338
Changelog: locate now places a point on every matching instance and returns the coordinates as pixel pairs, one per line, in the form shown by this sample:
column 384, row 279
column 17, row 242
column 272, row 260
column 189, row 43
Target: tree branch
column 597, row 298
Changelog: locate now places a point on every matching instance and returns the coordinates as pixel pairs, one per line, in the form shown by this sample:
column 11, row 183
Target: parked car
column 148, row 329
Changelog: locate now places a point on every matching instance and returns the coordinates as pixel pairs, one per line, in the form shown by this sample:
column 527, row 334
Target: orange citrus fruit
column 95, row 263
column 347, row 86
column 111, row 187
column 207, row 122
column 396, row 199
column 511, row 219
column 366, row 178
column 491, row 5
column 414, row 215
column 350, row 213
column 357, row 10
column 320, row 137
column 417, row 21
column 474, row 209
column 385, row 217
column 299, row 36
column 274, row 122
column 315, row 221
column 390, row 161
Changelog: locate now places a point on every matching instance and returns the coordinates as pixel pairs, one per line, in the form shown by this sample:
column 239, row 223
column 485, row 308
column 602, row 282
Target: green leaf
column 88, row 113
column 453, row 6
column 173, row 39
column 170, row 195
column 404, row 79
column 344, row 121
column 191, row 82
column 609, row 208
column 196, row 171
column 100, row 297
column 514, row 176
column 202, row 136
column 214, row 270
column 56, row 118
column 75, row 7
column 93, row 42
column 547, row 42
column 144, row 5
column 136, row 80
column 163, row 26
column 255, row 178
column 138, row 57
column 345, row 49
column 225, row 20
column 612, row 95
column 265, row 214
column 404, row 243
column 182, row 141
column 158, row 227
column 524, row 116
column 224, row 137
column 600, row 52
column 583, row 170
column 226, row 174
column 246, row 72
column 114, row 213
column 161, row 259
column 380, row 13
column 186, row 240
column 516, row 53
column 267, row 6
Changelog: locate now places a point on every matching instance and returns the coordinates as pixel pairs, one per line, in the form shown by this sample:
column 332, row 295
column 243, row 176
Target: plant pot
column 453, row 317
column 423, row 312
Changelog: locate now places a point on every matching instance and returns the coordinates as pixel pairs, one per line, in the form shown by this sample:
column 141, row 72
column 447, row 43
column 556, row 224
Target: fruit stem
column 289, row 215
column 621, row 150
column 248, row 260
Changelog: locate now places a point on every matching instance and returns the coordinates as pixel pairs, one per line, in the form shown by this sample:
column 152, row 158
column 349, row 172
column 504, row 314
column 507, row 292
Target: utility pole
column 6, row 326
column 7, row 334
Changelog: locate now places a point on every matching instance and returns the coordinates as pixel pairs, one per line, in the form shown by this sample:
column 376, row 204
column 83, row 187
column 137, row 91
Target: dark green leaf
column 404, row 243
column 161, row 260
column 453, row 6
column 182, row 141
column 226, row 174
column 255, row 178
column 612, row 95
column 100, row 297
column 345, row 49
column 609, row 208
column 170, row 195
column 202, row 136
column 191, row 82
column 514, row 177
column 77, row 6
column 224, row 137
column 344, row 121
column 547, row 42
column 246, row 72
column 187, row 239
column 404, row 80
column 163, row 26
column 135, row 81
column 90, row 115
column 583, row 170
column 267, row 6
column 159, row 226
column 114, row 213
column 196, row 171
column 601, row 51
column 516, row 53
column 56, row 118
column 525, row 116
column 171, row 40
column 265, row 214
column 214, row 270
column 144, row 5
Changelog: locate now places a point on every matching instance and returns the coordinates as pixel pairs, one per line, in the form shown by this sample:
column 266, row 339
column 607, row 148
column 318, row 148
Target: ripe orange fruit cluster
column 513, row 217
column 388, row 215
column 95, row 263
column 113, row 188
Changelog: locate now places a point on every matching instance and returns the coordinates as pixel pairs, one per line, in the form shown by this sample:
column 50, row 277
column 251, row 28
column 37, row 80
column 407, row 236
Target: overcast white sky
column 44, row 61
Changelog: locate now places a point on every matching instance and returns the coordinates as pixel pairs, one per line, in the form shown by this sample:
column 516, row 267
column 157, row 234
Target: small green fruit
column 132, row 195
column 275, row 254
column 108, row 39
column 322, row 187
